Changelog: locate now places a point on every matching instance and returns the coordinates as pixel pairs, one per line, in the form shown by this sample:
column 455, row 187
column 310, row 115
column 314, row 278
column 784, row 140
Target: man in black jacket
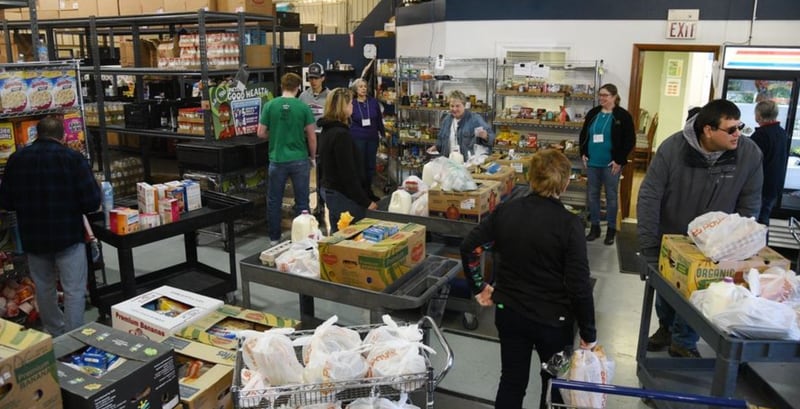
column 772, row 141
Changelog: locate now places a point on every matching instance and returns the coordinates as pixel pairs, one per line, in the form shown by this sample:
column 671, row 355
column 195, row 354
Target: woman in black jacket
column 542, row 287
column 606, row 140
column 343, row 179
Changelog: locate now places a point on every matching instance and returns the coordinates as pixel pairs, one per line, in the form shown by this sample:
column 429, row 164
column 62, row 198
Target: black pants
column 518, row 337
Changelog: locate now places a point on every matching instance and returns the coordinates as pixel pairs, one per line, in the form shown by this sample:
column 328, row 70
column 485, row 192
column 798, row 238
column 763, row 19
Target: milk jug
column 303, row 226
column 428, row 173
column 457, row 157
column 401, row 202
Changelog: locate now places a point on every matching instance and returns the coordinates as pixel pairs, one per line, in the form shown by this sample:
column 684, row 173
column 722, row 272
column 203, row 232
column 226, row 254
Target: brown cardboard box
column 471, row 206
column 129, row 8
column 505, row 176
column 25, row 14
column 174, row 6
column 371, row 265
column 208, row 5
column 107, row 8
column 247, row 6
column 520, row 164
column 152, row 6
column 258, row 56
column 12, row 15
column 29, row 368
column 211, row 329
column 78, row 8
column 4, row 56
column 149, row 55
column 211, row 389
column 52, row 4
column 683, row 264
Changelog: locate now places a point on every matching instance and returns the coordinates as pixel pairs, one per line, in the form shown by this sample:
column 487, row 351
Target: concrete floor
column 473, row 379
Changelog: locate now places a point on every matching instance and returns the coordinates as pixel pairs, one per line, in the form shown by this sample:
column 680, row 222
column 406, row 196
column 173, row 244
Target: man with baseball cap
column 315, row 95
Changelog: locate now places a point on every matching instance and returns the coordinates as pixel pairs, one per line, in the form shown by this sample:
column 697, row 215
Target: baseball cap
column 315, row 70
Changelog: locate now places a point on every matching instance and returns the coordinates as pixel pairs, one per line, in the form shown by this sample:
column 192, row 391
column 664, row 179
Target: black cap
column 315, row 70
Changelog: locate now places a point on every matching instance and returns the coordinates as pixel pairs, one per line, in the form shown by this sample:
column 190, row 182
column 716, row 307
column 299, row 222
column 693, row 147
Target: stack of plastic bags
column 331, row 354
column 768, row 310
column 584, row 365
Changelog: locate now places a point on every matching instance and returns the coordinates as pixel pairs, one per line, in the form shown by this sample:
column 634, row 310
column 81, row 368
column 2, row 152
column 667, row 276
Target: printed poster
column 235, row 110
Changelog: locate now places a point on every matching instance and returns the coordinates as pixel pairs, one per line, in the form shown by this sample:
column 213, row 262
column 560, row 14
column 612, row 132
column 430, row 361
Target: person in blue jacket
column 366, row 128
column 463, row 131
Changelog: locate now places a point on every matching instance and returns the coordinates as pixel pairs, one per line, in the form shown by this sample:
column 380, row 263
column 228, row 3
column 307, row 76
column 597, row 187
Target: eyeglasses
column 732, row 130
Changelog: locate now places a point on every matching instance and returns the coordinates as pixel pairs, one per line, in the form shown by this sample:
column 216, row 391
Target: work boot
column 610, row 234
column 660, row 340
column 678, row 351
column 594, row 232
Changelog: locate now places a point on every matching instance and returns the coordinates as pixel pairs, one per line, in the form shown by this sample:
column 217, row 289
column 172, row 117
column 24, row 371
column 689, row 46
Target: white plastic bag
column 420, row 206
column 271, row 354
column 391, row 332
column 588, row 366
column 718, row 297
column 301, row 259
column 778, row 284
column 759, row 318
column 721, row 236
column 398, row 357
column 452, row 176
column 328, row 338
column 336, row 366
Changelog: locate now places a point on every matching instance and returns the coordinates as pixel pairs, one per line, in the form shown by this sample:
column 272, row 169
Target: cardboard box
column 77, row 8
column 146, row 198
column 107, row 8
column 148, row 53
column 147, row 379
column 28, row 368
column 471, row 206
column 129, row 8
column 124, row 221
column 258, row 56
column 683, row 264
column 194, row 198
column 505, row 175
column 246, row 6
column 25, row 132
column 521, row 164
column 212, row 388
column 153, row 6
column 218, row 328
column 143, row 315
column 8, row 141
column 194, row 5
column 371, row 265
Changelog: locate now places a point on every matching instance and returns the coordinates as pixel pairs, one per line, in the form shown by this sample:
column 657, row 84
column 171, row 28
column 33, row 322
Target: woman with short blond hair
column 542, row 286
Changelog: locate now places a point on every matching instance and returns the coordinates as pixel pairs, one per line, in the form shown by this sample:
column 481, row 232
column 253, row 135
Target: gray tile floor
column 618, row 299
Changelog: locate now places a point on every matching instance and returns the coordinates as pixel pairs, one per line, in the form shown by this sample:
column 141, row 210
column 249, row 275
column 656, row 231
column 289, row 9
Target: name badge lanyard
column 365, row 120
column 598, row 136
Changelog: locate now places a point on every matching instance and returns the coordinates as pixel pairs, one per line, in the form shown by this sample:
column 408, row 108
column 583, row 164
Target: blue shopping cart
column 681, row 398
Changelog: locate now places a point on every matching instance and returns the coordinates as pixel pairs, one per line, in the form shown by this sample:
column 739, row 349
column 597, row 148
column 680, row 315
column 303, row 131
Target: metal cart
column 682, row 398
column 415, row 384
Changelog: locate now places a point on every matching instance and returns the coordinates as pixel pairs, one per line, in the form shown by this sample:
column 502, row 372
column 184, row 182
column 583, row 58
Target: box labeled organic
column 143, row 374
column 205, row 374
column 219, row 328
column 471, row 206
column 28, row 368
column 683, row 264
column 162, row 312
column 501, row 173
column 346, row 258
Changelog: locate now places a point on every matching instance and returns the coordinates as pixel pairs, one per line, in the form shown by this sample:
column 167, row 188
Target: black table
column 190, row 275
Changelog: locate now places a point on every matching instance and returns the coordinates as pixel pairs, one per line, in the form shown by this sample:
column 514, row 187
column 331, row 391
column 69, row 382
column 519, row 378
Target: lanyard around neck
column 360, row 111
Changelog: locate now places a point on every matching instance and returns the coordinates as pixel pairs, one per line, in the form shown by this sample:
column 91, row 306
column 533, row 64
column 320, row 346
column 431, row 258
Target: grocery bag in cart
column 322, row 390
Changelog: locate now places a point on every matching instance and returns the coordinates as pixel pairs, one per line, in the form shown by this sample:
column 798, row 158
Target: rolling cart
column 644, row 394
column 417, row 385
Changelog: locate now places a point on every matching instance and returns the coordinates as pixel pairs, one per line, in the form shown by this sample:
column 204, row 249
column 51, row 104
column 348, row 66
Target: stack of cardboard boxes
column 61, row 9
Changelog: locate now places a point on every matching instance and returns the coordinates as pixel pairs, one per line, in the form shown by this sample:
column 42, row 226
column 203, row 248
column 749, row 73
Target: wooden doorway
column 637, row 74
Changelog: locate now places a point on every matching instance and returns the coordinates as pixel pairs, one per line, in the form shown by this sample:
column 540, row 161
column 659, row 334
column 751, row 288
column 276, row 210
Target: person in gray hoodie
column 706, row 167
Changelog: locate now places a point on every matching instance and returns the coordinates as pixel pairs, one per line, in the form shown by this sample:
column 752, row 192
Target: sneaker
column 273, row 243
column 681, row 352
column 660, row 340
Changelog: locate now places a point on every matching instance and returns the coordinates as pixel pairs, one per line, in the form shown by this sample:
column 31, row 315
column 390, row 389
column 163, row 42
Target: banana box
column 470, row 206
column 28, row 369
column 221, row 327
column 682, row 264
column 347, row 258
column 497, row 172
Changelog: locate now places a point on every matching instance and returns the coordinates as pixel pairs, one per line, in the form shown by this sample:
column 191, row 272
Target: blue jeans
column 369, row 150
column 682, row 334
column 598, row 177
column 70, row 266
column 518, row 338
column 337, row 204
column 278, row 173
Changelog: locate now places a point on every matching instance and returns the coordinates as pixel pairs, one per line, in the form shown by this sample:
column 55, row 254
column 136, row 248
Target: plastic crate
column 217, row 156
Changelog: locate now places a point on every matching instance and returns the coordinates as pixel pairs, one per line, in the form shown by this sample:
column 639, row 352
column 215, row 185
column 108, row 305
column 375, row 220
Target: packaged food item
column 166, row 306
column 7, row 142
column 40, row 90
column 13, row 92
column 65, row 88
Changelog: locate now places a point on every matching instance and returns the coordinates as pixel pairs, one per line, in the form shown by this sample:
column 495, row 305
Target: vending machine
column 753, row 74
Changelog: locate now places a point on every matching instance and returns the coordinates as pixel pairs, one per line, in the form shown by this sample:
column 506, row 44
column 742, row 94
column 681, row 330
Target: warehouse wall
column 609, row 40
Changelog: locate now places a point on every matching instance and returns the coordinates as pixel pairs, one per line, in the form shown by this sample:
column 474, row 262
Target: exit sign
column 682, row 24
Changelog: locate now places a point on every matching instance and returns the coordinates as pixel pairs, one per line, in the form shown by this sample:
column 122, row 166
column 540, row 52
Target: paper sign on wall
column 672, row 87
column 540, row 71
column 524, row 69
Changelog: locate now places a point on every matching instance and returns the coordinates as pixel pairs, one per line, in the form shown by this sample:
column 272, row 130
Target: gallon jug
column 303, row 226
column 401, row 202
column 428, row 173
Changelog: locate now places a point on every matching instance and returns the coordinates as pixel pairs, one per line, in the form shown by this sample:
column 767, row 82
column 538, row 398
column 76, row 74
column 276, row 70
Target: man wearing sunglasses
column 709, row 166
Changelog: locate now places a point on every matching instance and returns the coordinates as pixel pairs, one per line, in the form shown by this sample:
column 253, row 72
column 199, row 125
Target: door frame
column 635, row 91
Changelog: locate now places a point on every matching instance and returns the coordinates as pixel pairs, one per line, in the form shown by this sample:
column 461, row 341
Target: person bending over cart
column 542, row 286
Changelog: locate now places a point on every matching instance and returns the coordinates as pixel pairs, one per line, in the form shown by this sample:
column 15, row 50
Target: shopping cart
column 681, row 398
column 393, row 387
